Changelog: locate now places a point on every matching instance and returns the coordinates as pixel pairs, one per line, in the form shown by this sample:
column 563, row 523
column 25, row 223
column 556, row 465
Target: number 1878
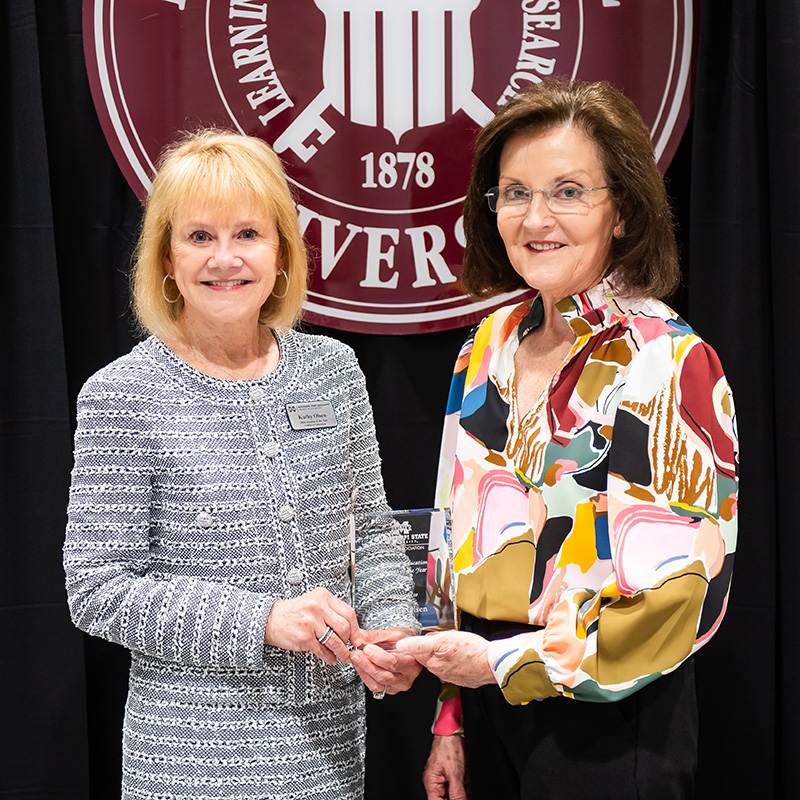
column 390, row 165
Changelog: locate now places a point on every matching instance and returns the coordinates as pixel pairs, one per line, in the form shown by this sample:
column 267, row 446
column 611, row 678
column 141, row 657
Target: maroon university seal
column 373, row 106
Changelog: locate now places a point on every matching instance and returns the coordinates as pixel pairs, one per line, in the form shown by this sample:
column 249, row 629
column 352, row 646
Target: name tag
column 317, row 414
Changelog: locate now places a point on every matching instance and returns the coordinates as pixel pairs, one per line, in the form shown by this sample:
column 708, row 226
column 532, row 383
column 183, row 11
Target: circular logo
column 373, row 106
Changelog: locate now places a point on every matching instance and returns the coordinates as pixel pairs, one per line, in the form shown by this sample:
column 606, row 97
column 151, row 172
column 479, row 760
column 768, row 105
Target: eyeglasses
column 515, row 199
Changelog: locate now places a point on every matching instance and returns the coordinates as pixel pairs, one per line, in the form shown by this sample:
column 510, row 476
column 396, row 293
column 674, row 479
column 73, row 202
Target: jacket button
column 286, row 513
column 256, row 393
column 294, row 577
column 204, row 519
column 271, row 449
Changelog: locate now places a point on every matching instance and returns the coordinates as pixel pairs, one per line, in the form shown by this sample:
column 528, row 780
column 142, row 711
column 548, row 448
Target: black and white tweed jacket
column 195, row 505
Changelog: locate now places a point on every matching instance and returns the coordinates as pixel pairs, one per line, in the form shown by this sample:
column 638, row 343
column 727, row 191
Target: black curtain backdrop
column 69, row 223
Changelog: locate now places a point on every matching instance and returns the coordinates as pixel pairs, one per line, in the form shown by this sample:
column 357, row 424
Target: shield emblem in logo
column 385, row 66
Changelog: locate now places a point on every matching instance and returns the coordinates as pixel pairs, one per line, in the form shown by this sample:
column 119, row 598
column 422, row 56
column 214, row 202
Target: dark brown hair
column 645, row 259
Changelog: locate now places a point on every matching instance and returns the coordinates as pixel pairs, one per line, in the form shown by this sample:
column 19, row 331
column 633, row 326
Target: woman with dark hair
column 226, row 476
column 589, row 461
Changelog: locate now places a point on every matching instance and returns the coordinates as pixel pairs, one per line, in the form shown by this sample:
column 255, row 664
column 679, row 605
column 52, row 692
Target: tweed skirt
column 178, row 748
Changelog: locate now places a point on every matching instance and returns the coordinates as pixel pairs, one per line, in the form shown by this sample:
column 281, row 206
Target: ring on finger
column 380, row 695
column 326, row 635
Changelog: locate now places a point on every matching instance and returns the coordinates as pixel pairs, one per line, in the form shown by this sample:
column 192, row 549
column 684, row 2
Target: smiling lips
column 225, row 284
column 540, row 246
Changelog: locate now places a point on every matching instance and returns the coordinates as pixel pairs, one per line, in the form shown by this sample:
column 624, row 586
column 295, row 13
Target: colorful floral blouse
column 606, row 516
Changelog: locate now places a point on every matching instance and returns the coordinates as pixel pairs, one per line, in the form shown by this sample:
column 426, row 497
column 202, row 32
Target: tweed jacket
column 198, row 502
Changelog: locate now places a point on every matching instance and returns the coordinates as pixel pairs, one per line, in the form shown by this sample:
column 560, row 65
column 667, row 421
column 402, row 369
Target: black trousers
column 643, row 747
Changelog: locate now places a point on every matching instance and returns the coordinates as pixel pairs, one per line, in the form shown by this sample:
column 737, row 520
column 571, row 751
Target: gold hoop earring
column 285, row 291
column 164, row 290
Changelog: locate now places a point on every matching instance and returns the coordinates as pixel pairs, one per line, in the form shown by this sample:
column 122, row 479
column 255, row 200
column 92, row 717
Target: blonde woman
column 218, row 467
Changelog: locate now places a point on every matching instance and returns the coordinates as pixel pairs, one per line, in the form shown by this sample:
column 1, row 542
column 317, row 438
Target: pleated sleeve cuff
column 519, row 669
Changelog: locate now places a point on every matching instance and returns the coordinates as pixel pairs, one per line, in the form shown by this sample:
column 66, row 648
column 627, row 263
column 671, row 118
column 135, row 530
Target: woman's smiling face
column 559, row 254
column 225, row 265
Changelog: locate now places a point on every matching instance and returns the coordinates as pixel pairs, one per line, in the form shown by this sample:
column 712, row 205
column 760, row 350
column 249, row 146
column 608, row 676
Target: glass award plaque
column 426, row 532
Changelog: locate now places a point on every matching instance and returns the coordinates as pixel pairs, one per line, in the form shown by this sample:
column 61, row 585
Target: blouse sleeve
column 439, row 569
column 671, row 535
column 383, row 583
column 107, row 550
column 447, row 719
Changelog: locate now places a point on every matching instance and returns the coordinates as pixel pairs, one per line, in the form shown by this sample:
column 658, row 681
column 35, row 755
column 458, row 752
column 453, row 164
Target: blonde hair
column 225, row 168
